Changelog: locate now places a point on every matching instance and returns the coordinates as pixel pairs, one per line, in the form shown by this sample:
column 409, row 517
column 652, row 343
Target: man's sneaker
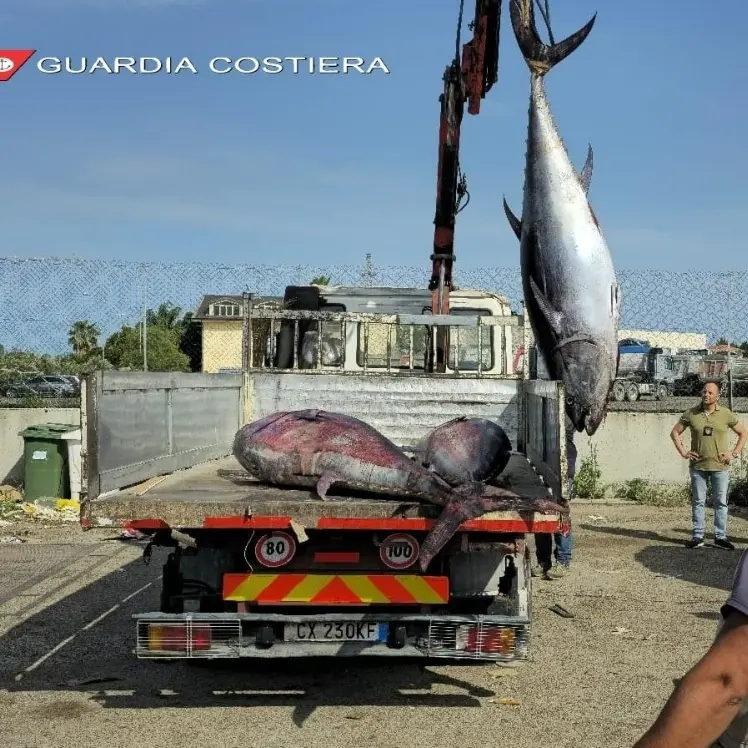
column 559, row 571
column 724, row 543
column 539, row 572
column 696, row 542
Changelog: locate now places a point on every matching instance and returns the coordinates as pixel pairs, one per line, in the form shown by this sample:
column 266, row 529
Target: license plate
column 336, row 631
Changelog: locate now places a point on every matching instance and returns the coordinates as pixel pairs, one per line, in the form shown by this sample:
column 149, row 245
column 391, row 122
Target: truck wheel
column 632, row 392
column 619, row 391
column 662, row 392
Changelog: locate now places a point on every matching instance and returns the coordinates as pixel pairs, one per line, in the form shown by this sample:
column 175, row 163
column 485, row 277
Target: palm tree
column 320, row 280
column 83, row 337
column 167, row 315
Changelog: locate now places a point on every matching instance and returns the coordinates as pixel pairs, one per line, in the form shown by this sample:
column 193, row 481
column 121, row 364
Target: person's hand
column 691, row 456
column 725, row 457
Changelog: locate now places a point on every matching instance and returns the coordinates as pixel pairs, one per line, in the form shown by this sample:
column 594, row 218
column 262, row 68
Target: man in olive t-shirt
column 710, row 457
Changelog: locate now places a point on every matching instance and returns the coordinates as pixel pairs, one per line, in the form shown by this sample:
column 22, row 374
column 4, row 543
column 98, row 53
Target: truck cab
column 359, row 344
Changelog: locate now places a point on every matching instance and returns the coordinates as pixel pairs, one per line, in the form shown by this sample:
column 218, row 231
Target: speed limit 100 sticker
column 399, row 551
column 276, row 549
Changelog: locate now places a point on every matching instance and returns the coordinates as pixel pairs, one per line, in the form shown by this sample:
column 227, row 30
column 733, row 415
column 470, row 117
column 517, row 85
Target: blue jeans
column 564, row 543
column 720, row 480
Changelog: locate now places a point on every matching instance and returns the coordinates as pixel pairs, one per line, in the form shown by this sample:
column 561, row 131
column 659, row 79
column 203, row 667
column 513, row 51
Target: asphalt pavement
column 644, row 610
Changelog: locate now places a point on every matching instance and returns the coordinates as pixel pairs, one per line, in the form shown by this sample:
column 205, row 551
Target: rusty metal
column 271, row 319
column 466, row 78
column 246, row 332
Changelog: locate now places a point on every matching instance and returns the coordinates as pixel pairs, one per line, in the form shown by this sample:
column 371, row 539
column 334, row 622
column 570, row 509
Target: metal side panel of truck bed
column 157, row 446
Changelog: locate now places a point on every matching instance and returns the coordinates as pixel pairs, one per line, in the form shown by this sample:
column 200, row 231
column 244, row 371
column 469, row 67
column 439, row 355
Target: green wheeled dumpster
column 46, row 470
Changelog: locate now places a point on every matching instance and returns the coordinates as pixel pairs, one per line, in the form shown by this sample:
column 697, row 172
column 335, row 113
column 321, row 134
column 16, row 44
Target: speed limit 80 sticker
column 276, row 549
column 399, row 551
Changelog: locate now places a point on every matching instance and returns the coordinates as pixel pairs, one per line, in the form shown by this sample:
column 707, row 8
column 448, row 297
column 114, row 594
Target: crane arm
column 466, row 80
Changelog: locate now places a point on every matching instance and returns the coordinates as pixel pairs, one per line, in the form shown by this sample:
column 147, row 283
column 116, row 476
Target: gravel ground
column 645, row 611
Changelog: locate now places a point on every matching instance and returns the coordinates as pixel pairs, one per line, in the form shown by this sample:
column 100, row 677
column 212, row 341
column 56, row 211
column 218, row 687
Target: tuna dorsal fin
column 586, row 176
column 514, row 222
column 309, row 415
column 552, row 315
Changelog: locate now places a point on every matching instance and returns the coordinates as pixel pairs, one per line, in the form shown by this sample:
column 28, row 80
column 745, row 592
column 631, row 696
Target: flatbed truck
column 261, row 571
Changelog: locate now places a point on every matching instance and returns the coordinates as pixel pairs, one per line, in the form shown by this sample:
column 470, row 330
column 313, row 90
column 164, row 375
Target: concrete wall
column 629, row 445
column 13, row 420
column 637, row 445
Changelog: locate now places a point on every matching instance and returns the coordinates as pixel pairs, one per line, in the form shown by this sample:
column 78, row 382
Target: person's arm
column 675, row 435
column 742, row 433
column 710, row 695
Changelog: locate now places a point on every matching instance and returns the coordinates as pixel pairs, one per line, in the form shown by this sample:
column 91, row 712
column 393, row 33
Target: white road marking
column 87, row 627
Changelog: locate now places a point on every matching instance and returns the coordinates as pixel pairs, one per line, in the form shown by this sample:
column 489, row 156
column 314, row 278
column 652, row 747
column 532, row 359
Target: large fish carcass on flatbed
column 262, row 571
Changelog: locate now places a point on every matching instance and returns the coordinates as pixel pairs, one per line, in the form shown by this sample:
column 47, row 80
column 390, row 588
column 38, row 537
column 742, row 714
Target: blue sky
column 323, row 169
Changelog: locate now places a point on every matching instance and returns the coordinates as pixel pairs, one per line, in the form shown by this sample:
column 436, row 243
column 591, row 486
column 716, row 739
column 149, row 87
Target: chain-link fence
column 63, row 316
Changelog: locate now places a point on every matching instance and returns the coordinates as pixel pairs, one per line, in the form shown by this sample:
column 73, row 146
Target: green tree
column 125, row 351
column 83, row 337
column 167, row 315
column 320, row 280
column 191, row 341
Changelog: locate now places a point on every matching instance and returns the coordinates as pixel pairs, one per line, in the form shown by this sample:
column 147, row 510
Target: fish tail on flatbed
column 471, row 507
column 541, row 57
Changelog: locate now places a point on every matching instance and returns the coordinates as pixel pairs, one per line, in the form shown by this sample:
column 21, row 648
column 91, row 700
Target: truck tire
column 619, row 391
column 632, row 392
column 662, row 391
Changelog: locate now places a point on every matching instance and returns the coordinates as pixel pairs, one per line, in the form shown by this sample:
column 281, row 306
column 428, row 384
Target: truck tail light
column 489, row 639
column 179, row 638
column 477, row 641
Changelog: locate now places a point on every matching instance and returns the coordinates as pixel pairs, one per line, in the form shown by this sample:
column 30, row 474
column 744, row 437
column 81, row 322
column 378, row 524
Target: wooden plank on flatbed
column 222, row 488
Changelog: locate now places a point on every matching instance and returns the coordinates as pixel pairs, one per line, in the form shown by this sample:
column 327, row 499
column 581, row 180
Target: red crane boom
column 467, row 79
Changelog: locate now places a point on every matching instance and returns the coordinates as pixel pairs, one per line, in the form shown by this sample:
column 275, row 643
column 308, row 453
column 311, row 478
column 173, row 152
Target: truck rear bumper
column 271, row 635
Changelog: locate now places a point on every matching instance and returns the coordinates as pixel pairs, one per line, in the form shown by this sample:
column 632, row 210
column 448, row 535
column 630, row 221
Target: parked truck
column 644, row 370
column 261, row 571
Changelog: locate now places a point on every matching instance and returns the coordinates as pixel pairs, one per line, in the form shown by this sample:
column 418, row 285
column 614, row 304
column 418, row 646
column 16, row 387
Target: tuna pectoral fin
column 585, row 178
column 324, row 484
column 514, row 222
column 552, row 316
column 541, row 57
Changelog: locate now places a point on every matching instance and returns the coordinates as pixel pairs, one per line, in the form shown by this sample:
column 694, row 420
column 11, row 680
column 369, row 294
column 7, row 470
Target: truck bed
column 221, row 494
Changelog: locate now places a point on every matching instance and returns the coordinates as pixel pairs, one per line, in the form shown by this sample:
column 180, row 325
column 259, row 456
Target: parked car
column 43, row 385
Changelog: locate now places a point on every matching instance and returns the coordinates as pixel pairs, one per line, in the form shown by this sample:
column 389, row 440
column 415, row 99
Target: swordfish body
column 316, row 449
column 568, row 277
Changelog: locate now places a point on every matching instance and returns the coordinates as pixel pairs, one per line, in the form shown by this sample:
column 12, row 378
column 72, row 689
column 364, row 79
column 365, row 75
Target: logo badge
column 12, row 60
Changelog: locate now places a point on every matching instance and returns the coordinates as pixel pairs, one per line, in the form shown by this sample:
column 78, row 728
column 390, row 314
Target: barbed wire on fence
column 53, row 307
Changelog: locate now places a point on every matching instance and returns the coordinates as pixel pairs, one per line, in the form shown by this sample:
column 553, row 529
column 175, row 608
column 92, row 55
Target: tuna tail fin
column 541, row 57
column 469, row 504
